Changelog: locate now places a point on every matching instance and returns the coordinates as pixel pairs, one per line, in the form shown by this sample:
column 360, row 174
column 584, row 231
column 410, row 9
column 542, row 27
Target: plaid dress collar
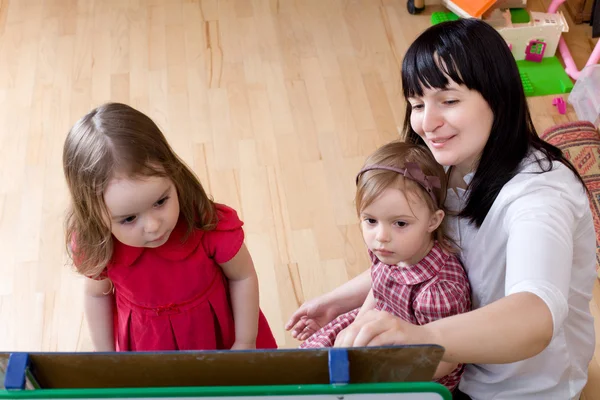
column 420, row 272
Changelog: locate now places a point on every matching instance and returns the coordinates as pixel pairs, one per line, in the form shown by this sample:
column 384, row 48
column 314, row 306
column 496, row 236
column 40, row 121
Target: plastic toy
column 544, row 78
column 560, row 104
column 511, row 4
column 469, row 8
column 531, row 36
column 570, row 66
column 439, row 17
column 542, row 27
column 474, row 8
column 534, row 50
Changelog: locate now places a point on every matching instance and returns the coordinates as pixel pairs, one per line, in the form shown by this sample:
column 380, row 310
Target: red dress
column 176, row 297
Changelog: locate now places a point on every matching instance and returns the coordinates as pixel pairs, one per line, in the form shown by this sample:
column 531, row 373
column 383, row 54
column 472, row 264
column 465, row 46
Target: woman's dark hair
column 472, row 53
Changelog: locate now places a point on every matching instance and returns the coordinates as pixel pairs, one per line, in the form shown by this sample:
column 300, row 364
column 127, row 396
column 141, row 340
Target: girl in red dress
column 168, row 267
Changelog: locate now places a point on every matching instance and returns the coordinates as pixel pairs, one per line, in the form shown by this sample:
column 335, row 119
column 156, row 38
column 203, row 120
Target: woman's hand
column 380, row 328
column 341, row 336
column 508, row 330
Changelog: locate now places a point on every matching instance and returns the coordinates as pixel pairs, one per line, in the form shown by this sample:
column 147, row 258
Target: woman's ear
column 436, row 220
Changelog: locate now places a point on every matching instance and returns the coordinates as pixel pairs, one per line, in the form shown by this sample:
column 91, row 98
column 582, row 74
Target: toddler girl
column 415, row 275
column 167, row 266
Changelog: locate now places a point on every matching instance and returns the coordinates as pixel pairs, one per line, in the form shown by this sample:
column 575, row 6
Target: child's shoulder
column 449, row 266
column 449, row 289
column 225, row 240
column 227, row 218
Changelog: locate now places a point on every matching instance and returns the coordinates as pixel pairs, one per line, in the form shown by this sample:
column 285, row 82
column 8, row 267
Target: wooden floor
column 275, row 104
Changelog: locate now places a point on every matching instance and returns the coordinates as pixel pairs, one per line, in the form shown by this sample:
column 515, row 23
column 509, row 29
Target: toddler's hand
column 310, row 317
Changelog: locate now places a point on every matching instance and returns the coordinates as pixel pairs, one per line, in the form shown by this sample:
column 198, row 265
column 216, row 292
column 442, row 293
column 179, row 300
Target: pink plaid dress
column 434, row 288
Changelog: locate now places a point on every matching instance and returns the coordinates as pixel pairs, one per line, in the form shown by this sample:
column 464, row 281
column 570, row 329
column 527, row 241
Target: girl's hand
column 318, row 312
column 380, row 328
column 310, row 317
column 243, row 346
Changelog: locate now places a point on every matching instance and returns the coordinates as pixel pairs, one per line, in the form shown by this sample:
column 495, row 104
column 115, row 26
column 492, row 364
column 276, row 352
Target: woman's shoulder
column 542, row 188
column 540, row 177
column 537, row 167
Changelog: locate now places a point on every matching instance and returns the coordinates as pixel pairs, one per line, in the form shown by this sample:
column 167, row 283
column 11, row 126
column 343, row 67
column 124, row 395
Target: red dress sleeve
column 224, row 242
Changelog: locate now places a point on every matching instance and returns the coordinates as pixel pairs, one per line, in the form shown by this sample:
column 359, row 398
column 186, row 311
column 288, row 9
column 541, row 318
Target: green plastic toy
column 547, row 77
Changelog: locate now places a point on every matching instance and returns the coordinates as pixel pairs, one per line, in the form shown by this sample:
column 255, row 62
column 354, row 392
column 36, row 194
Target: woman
column 522, row 221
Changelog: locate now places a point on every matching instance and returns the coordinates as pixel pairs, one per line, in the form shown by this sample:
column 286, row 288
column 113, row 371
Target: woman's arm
column 243, row 288
column 98, row 306
column 511, row 329
column 444, row 368
column 541, row 227
column 369, row 304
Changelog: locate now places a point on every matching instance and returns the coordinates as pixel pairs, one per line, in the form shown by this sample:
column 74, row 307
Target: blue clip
column 16, row 371
column 339, row 366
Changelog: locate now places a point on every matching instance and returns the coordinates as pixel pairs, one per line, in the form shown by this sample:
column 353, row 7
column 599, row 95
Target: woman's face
column 455, row 123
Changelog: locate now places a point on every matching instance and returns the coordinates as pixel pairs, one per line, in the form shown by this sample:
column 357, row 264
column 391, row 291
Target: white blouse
column 538, row 237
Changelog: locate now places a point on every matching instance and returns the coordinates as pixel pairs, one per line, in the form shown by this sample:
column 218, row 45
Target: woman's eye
column 401, row 224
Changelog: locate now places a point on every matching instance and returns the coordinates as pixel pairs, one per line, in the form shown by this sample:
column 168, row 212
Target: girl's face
column 143, row 211
column 455, row 123
column 398, row 228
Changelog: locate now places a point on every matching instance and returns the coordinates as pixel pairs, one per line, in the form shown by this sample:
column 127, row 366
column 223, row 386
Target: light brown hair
column 395, row 154
column 115, row 139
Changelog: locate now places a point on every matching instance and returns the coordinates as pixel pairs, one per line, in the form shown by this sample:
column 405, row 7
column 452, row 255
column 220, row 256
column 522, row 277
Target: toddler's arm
column 243, row 287
column 98, row 305
column 315, row 313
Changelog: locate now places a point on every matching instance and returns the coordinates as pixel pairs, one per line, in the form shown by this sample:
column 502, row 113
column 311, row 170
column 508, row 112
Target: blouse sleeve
column 542, row 228
column 224, row 242
column 443, row 298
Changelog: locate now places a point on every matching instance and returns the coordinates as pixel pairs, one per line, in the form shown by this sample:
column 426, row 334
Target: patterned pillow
column 580, row 143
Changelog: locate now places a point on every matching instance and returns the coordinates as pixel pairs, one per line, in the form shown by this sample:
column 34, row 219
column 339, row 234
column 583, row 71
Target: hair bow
column 413, row 172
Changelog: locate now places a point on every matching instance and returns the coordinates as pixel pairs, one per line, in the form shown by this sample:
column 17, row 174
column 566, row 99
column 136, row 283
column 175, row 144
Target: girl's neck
column 419, row 255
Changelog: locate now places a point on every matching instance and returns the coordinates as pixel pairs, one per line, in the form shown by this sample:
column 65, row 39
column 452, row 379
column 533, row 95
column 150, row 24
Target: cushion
column 580, row 143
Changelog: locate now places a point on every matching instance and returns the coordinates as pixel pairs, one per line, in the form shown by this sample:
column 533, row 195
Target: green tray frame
column 231, row 391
